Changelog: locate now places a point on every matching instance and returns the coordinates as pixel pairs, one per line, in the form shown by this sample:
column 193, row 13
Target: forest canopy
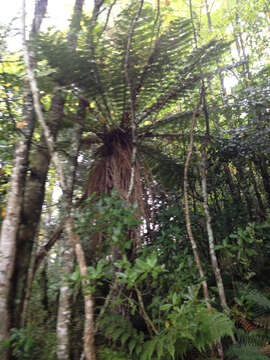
column 135, row 181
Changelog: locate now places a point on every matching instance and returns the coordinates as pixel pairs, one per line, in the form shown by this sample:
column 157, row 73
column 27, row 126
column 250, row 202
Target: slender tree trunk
column 64, row 307
column 187, row 213
column 210, row 234
column 35, row 183
column 89, row 324
column 44, row 285
column 66, row 255
column 12, row 219
column 235, row 33
column 261, row 208
column 241, row 42
column 89, row 347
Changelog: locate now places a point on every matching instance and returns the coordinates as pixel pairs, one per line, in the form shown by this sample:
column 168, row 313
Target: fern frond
column 171, row 119
column 168, row 169
column 254, row 338
column 261, row 304
column 245, row 352
column 213, row 326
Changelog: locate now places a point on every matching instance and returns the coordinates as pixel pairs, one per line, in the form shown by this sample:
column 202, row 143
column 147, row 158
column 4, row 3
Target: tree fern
column 162, row 65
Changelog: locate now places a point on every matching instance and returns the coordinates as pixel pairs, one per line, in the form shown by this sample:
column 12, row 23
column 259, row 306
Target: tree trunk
column 8, row 236
column 89, row 347
column 12, row 219
column 66, row 254
column 64, row 307
column 31, row 211
column 188, row 223
column 210, row 234
column 261, row 208
column 35, row 182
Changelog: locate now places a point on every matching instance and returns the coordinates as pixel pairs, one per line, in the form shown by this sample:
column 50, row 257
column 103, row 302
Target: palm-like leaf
column 131, row 65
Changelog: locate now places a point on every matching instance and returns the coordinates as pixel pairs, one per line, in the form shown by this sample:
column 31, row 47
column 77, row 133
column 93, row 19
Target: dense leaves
column 133, row 82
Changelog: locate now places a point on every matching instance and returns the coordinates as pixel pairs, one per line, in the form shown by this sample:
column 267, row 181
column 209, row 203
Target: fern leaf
column 124, row 338
column 245, row 352
column 131, row 345
column 148, row 349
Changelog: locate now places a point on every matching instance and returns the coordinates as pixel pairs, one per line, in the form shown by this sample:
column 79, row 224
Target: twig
column 47, row 247
column 150, row 326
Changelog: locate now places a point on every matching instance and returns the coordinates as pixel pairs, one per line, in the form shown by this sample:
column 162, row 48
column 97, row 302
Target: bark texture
column 64, row 310
column 187, row 213
column 8, row 236
column 31, row 211
column 89, row 346
column 67, row 253
column 11, row 221
column 211, row 240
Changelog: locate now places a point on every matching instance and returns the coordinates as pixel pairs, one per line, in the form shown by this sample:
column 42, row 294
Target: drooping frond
column 166, row 168
column 168, row 120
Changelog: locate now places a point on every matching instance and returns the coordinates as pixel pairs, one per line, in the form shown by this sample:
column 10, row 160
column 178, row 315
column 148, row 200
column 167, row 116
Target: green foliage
column 21, row 342
column 242, row 247
column 248, row 346
column 163, row 65
column 109, row 354
column 245, row 352
column 165, row 71
column 110, row 216
column 254, row 303
column 31, row 343
column 143, row 268
column 260, row 304
column 182, row 325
